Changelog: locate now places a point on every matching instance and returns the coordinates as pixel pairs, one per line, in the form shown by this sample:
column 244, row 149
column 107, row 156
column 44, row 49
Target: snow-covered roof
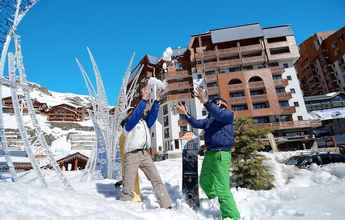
column 327, row 114
column 152, row 59
column 178, row 51
column 52, row 98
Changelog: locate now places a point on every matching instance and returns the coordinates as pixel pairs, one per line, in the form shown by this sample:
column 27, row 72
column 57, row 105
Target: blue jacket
column 218, row 126
column 130, row 122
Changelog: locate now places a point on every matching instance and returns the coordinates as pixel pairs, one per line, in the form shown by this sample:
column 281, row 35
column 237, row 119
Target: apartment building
column 321, row 66
column 252, row 68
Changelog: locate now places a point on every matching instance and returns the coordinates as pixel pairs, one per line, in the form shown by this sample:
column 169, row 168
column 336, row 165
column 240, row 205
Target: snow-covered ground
column 317, row 193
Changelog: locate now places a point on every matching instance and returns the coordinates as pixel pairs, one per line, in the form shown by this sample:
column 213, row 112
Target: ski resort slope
column 317, row 193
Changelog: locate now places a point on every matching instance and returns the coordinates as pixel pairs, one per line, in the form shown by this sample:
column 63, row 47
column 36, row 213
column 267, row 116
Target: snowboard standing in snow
column 190, row 183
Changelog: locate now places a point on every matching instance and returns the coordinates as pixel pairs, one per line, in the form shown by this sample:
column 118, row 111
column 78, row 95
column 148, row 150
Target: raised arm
column 221, row 115
column 195, row 123
column 153, row 114
column 134, row 118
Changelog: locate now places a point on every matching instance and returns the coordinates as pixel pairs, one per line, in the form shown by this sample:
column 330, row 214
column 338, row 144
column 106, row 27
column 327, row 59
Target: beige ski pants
column 142, row 159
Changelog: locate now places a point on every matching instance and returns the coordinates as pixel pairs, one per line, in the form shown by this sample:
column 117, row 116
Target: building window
column 280, row 90
column 166, row 121
column 210, row 72
column 276, row 39
column 292, row 90
column 237, row 94
column 178, row 66
column 263, row 119
column 277, row 77
column 250, row 67
column 239, row 107
column 257, row 92
column 289, row 77
column 204, row 112
column 199, row 76
column 166, row 133
column 153, row 134
column 286, row 65
column 296, row 104
column 273, row 64
column 279, row 50
column 165, row 109
column 212, row 84
column 284, row 104
column 300, row 118
column 183, row 128
column 234, row 69
column 261, row 105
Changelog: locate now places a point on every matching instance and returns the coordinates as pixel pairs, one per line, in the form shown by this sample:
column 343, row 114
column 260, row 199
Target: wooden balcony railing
column 291, row 124
column 251, row 47
column 256, row 59
column 281, row 82
column 259, row 98
column 179, row 86
column 237, row 100
column 288, row 110
column 236, row 87
column 257, row 85
column 228, row 51
column 177, row 75
column 284, row 95
column 179, row 96
column 213, row 90
column 277, row 70
column 228, row 63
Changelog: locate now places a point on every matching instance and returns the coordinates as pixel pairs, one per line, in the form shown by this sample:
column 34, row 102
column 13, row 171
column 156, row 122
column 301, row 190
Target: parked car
column 304, row 161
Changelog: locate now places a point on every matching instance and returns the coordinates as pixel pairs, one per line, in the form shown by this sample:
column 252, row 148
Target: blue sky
column 54, row 32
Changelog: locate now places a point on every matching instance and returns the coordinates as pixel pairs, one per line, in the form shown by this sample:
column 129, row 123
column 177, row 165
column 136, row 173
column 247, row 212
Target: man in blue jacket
column 138, row 140
column 219, row 139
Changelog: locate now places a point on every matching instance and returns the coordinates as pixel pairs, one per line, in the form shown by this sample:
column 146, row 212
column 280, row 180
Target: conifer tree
column 248, row 170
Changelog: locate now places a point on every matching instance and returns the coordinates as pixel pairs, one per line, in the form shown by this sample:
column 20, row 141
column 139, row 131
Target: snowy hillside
column 58, row 133
column 318, row 193
column 51, row 98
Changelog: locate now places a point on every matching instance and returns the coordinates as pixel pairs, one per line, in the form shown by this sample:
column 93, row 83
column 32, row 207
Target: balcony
column 211, row 77
column 288, row 110
column 259, row 98
column 284, row 95
column 231, row 50
column 213, row 90
column 277, row 70
column 211, row 65
column 256, row 59
column 179, row 86
column 251, row 47
column 256, row 85
column 281, row 82
column 277, row 44
column 177, row 74
column 209, row 54
column 236, row 87
column 179, row 96
column 237, row 100
column 228, row 63
column 291, row 124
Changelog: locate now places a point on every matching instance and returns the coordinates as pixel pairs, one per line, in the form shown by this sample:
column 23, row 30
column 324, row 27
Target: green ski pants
column 215, row 181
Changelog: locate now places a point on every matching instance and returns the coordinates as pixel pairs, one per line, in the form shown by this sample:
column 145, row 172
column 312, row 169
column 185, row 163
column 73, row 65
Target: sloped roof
column 278, row 31
column 152, row 59
column 236, row 33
